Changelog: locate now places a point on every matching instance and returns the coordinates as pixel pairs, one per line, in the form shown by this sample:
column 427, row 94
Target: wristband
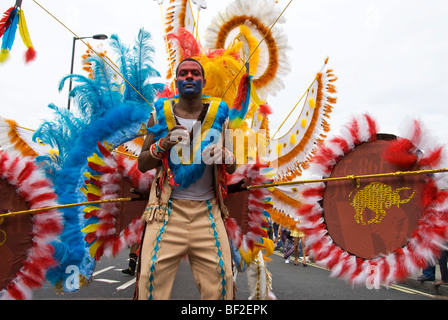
column 156, row 151
column 159, row 145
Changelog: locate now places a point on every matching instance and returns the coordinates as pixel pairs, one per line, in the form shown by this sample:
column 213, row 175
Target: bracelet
column 159, row 145
column 156, row 151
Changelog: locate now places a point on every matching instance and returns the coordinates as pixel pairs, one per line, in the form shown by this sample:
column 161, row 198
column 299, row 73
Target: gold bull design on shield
column 377, row 197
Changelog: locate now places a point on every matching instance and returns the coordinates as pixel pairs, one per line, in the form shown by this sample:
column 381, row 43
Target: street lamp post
column 96, row 37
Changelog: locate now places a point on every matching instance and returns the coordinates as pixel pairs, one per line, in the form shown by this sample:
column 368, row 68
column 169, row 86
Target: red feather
column 166, row 93
column 353, row 128
column 242, row 92
column 15, row 292
column 265, row 109
column 5, row 22
column 399, row 153
column 187, row 42
column 432, row 159
column 373, row 130
column 341, row 143
column 30, row 55
column 103, row 149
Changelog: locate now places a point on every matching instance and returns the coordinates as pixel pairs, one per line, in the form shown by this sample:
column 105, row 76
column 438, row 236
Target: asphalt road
column 290, row 282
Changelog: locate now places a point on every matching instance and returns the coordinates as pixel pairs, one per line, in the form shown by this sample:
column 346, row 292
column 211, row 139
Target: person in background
column 299, row 240
column 443, row 269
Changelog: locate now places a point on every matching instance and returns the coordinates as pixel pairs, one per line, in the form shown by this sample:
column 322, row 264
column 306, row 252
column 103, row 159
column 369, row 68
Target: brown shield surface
column 130, row 210
column 373, row 216
column 238, row 205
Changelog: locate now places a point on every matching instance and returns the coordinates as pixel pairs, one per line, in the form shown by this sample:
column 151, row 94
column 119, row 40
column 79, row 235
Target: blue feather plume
column 139, row 70
column 10, row 33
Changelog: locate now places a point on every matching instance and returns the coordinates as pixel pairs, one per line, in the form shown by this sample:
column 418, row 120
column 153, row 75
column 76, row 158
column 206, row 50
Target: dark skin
column 189, row 81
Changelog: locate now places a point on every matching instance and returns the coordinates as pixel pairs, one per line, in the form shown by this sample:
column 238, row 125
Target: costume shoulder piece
column 164, row 115
column 187, row 172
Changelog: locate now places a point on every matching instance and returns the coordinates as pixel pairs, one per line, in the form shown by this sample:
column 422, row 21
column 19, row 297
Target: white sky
column 390, row 56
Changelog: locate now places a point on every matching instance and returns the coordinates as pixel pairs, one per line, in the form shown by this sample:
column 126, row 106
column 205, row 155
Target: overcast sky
column 390, row 56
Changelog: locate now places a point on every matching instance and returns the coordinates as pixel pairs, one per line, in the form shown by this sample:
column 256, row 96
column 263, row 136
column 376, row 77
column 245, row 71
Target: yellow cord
column 10, row 214
column 349, row 177
column 258, row 186
column 281, row 125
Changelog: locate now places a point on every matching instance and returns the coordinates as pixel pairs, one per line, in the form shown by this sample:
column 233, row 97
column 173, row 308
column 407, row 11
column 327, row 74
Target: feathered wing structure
column 248, row 231
column 291, row 153
column 233, row 39
column 19, row 141
column 25, row 239
column 136, row 66
column 141, row 69
column 114, row 226
column 13, row 19
column 105, row 114
column 58, row 134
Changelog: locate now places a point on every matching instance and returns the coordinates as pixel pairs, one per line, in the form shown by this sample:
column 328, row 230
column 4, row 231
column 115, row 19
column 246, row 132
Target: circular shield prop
column 25, row 249
column 378, row 229
column 370, row 217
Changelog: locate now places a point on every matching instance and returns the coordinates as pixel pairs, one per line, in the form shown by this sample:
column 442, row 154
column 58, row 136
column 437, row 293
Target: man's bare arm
column 145, row 161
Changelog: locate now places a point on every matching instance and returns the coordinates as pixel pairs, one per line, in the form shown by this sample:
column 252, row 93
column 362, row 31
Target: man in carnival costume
column 185, row 210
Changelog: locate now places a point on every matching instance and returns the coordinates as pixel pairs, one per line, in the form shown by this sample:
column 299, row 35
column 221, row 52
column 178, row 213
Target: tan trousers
column 193, row 228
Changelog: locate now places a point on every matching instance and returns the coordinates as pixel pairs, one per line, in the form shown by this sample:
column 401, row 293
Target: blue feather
column 88, row 95
column 138, row 70
column 123, row 53
column 10, row 33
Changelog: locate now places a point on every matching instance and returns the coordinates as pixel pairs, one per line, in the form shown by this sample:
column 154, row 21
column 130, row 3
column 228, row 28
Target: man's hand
column 178, row 135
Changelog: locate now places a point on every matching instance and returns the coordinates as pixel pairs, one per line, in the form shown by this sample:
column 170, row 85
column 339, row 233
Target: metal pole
column 96, row 37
